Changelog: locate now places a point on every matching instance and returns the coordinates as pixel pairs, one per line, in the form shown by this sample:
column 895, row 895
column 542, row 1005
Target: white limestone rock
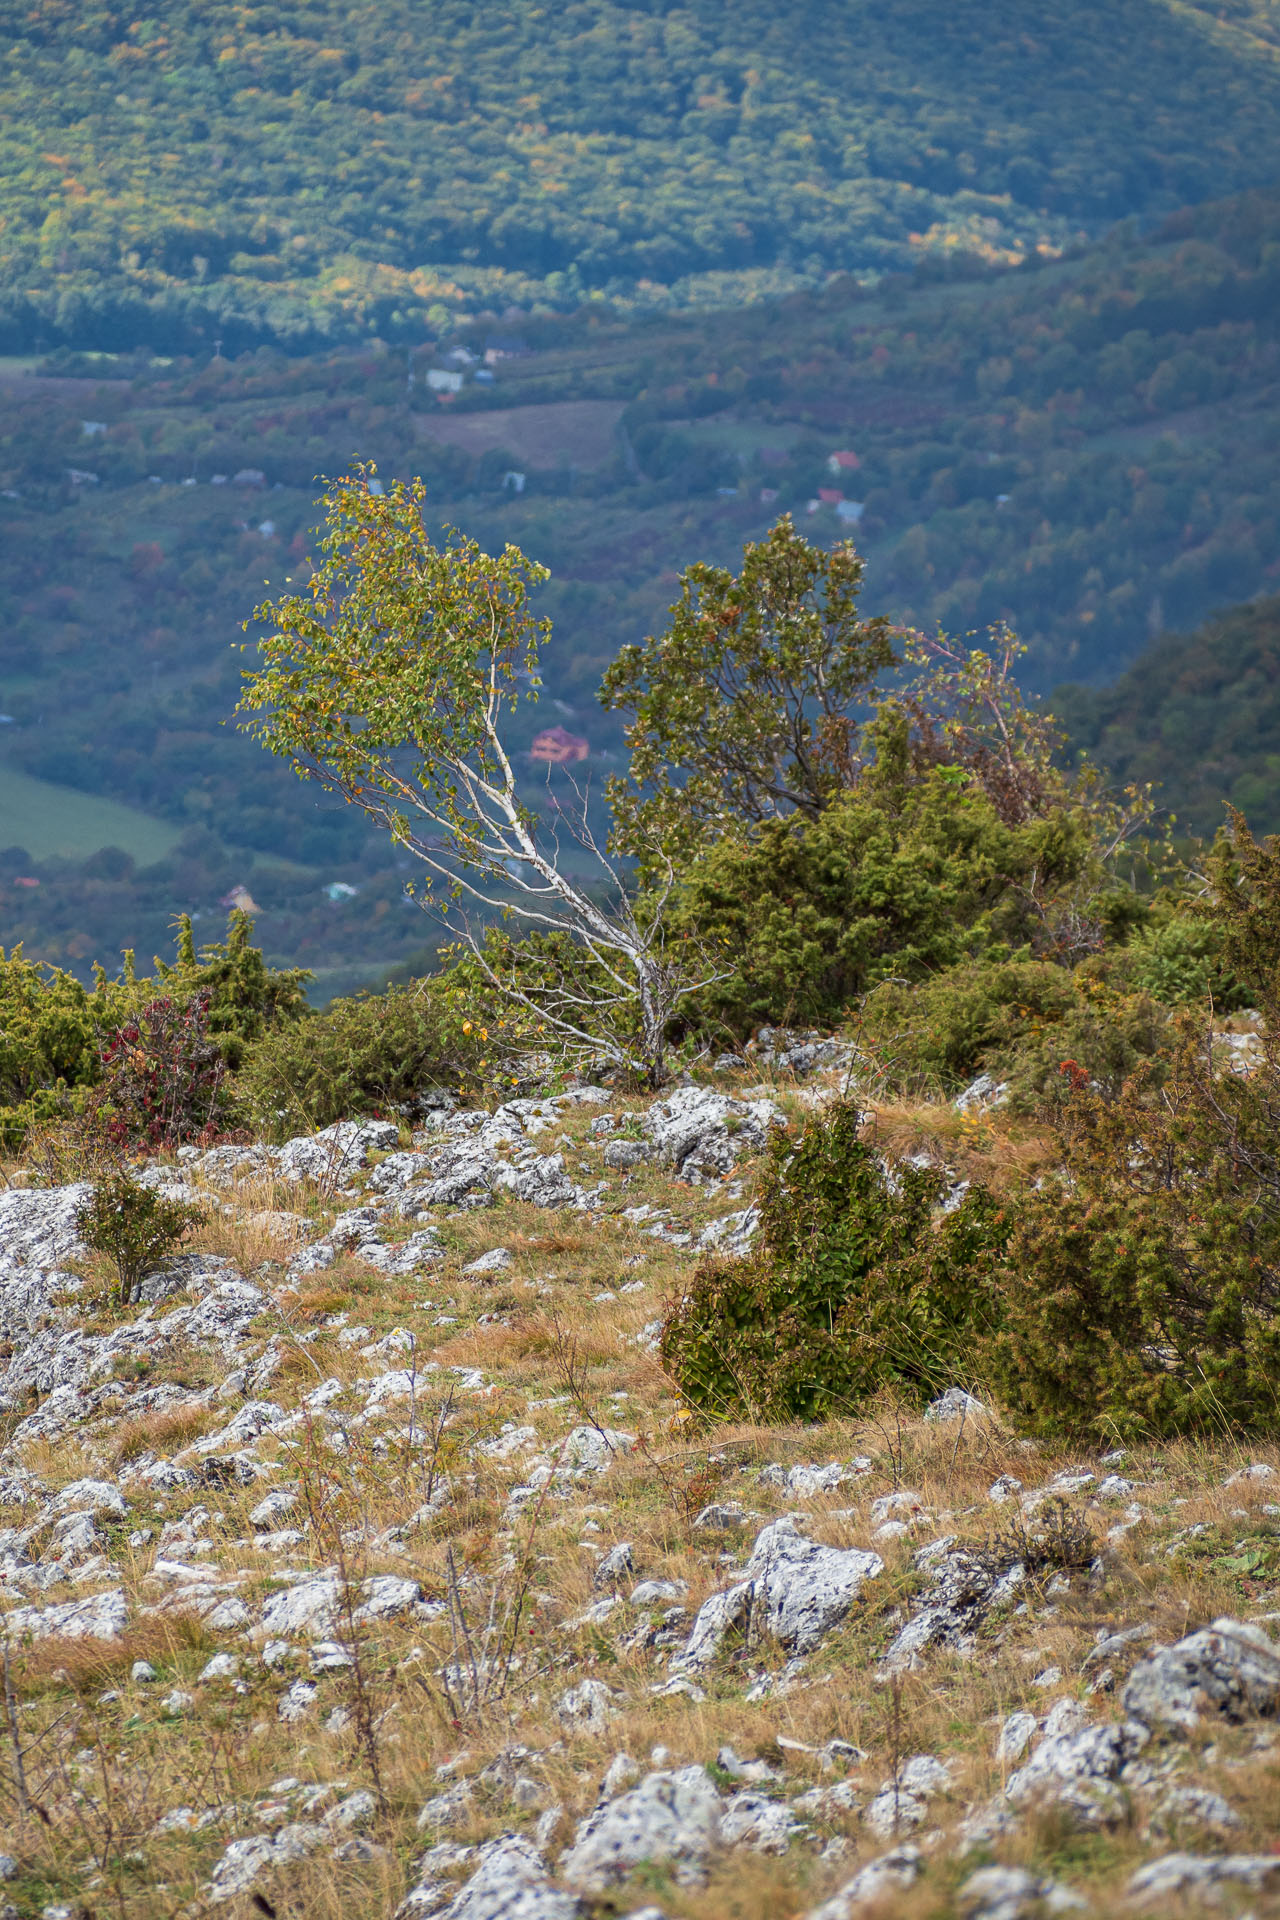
column 1190, row 1874
column 671, row 1817
column 801, row 1589
column 892, row 1871
column 701, row 1134
column 586, row 1708
column 509, row 1882
column 1012, row 1893
column 1231, row 1668
column 100, row 1616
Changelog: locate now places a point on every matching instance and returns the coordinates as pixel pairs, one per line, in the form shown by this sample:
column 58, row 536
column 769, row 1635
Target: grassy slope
column 52, row 820
column 558, row 1341
column 316, row 171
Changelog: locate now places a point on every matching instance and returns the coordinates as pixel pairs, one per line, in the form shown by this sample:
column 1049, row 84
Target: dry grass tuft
column 166, row 1431
column 163, row 1639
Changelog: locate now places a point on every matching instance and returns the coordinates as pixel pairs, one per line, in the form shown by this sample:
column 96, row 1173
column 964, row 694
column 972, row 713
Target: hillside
column 374, row 1559
column 1198, row 715
column 317, row 172
column 1085, row 450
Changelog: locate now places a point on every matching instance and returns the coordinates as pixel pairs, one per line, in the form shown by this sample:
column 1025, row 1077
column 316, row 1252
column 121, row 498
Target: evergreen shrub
column 1141, row 1294
column 59, row 1038
column 887, row 883
column 48, row 1044
column 853, row 1283
column 370, row 1054
column 133, row 1226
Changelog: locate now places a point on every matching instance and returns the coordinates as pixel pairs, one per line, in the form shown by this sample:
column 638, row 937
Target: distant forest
column 312, row 172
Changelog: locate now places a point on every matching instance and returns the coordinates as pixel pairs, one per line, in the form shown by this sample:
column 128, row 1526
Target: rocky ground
column 371, row 1566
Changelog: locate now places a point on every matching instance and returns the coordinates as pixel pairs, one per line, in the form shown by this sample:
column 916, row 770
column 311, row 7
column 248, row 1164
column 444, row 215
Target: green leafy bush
column 1142, row 1292
column 374, row 1053
column 135, row 1227
column 1017, row 1020
column 245, row 997
column 937, row 1034
column 853, row 1283
column 1180, row 960
column 164, row 1079
column 57, row 1037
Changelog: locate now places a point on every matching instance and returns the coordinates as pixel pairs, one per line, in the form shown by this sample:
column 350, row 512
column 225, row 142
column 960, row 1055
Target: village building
column 556, row 747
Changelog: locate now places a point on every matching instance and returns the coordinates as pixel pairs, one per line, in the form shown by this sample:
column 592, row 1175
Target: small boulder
column 891, row 1872
column 1231, row 1667
column 1181, row 1874
column 670, row 1818
column 1011, row 1893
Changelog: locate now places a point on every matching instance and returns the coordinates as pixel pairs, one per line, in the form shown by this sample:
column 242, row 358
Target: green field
column 52, row 821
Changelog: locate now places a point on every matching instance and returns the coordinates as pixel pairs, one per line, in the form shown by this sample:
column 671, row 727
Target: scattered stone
column 103, row 1616
column 1075, row 1769
column 889, row 1873
column 893, row 1811
column 955, row 1404
column 245, row 1861
column 497, row 1260
column 592, row 1449
column 92, row 1496
column 1193, row 1807
column 722, row 1516
column 509, row 1882
column 1107, row 1645
column 700, row 1134
column 622, row 1155
column 982, row 1095
column 223, row 1666
column 586, row 1708
column 732, row 1234
column 279, row 1502
column 755, row 1820
column 656, row 1593
column 804, row 1482
column 1015, row 1736
column 297, row 1700
column 754, row 1773
column 357, row 1810
column 1258, row 1471
column 961, row 1594
column 621, row 1772
column 615, row 1567
column 800, row 1054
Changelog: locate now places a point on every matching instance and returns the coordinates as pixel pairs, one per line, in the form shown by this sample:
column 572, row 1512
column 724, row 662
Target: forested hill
column 314, row 171
column 1198, row 715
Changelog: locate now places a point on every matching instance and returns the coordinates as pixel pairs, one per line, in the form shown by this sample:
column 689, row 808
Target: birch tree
column 389, row 681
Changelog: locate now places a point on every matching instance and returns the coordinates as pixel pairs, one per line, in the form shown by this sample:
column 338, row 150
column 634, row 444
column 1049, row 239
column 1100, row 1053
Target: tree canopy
column 308, row 172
